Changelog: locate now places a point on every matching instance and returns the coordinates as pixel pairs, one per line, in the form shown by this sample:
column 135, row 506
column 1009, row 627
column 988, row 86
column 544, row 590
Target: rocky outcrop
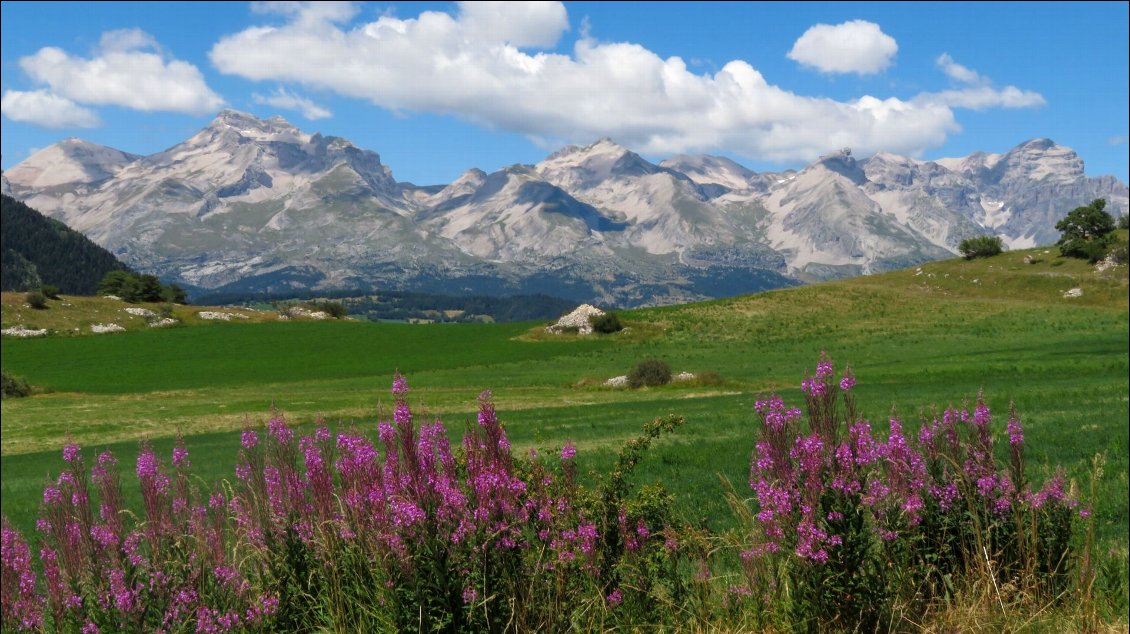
column 579, row 321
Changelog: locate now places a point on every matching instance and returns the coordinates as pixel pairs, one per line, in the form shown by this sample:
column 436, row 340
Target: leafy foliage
column 134, row 288
column 607, row 323
column 12, row 386
column 1086, row 232
column 38, row 250
column 37, row 300
column 650, row 373
column 334, row 309
column 980, row 247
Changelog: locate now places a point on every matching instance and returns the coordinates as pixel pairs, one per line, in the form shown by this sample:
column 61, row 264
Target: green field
column 915, row 339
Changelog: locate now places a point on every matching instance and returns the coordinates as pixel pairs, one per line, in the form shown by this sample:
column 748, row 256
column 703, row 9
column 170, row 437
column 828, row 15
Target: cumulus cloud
column 857, row 46
column 523, row 24
column 289, row 101
column 477, row 65
column 42, row 108
column 979, row 93
column 127, row 70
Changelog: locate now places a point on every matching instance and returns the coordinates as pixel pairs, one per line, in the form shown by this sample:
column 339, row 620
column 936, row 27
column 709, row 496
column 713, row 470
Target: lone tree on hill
column 1086, row 232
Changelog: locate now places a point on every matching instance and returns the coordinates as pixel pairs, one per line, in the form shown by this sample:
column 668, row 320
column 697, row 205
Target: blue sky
column 437, row 88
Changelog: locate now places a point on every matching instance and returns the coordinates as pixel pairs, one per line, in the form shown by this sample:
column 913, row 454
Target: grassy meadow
column 916, row 339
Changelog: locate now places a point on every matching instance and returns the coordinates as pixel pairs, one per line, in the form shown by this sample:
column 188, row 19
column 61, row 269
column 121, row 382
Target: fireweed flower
column 283, row 434
column 568, row 452
column 71, row 452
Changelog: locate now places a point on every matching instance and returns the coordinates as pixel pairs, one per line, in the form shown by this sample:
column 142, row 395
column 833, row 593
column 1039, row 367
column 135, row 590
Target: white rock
column 22, row 332
column 114, row 297
column 161, row 323
column 617, row 381
column 101, row 329
column 214, row 315
column 1105, row 264
column 683, row 376
column 298, row 311
column 142, row 312
column 578, row 319
column 1075, row 292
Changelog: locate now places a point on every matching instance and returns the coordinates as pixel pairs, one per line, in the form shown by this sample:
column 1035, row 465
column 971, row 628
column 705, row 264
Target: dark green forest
column 39, row 251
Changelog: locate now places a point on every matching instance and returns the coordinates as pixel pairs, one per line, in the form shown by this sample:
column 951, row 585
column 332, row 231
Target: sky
column 439, row 88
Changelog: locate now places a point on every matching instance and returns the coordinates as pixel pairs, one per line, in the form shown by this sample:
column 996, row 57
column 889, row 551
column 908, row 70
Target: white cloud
column 984, row 97
column 979, row 94
column 453, row 64
column 289, row 101
column 42, row 108
column 124, row 73
column 956, row 71
column 857, row 46
column 312, row 12
column 1119, row 139
column 124, row 40
column 533, row 24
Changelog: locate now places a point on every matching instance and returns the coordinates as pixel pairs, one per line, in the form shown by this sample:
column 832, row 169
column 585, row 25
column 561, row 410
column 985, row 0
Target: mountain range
column 257, row 205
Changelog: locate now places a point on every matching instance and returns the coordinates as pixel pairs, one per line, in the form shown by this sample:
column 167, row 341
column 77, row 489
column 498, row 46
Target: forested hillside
column 38, row 250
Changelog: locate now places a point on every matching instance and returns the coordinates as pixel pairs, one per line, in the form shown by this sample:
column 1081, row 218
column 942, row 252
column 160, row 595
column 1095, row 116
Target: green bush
column 37, row 300
column 980, row 247
column 13, row 386
column 650, row 373
column 50, row 290
column 336, row 310
column 1086, row 232
column 607, row 323
column 1124, row 222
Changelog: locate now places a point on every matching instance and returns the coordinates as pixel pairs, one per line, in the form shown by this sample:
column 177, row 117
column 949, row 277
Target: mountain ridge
column 250, row 201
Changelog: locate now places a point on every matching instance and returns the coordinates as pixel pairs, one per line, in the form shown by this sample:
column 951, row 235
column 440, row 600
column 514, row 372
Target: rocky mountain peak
column 248, row 126
column 256, row 203
column 842, row 163
column 68, row 162
column 1039, row 159
column 711, row 170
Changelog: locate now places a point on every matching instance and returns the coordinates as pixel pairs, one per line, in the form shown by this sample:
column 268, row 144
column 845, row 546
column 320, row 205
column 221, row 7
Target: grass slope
column 915, row 339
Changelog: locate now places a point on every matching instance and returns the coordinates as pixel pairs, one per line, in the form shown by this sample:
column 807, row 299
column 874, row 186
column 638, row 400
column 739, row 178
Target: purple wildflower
column 71, row 452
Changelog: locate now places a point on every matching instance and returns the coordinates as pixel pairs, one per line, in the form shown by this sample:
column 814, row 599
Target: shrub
column 607, row 323
column 50, row 291
column 1124, row 222
column 649, row 373
column 1118, row 254
column 980, row 247
column 37, row 300
column 13, row 386
column 336, row 310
